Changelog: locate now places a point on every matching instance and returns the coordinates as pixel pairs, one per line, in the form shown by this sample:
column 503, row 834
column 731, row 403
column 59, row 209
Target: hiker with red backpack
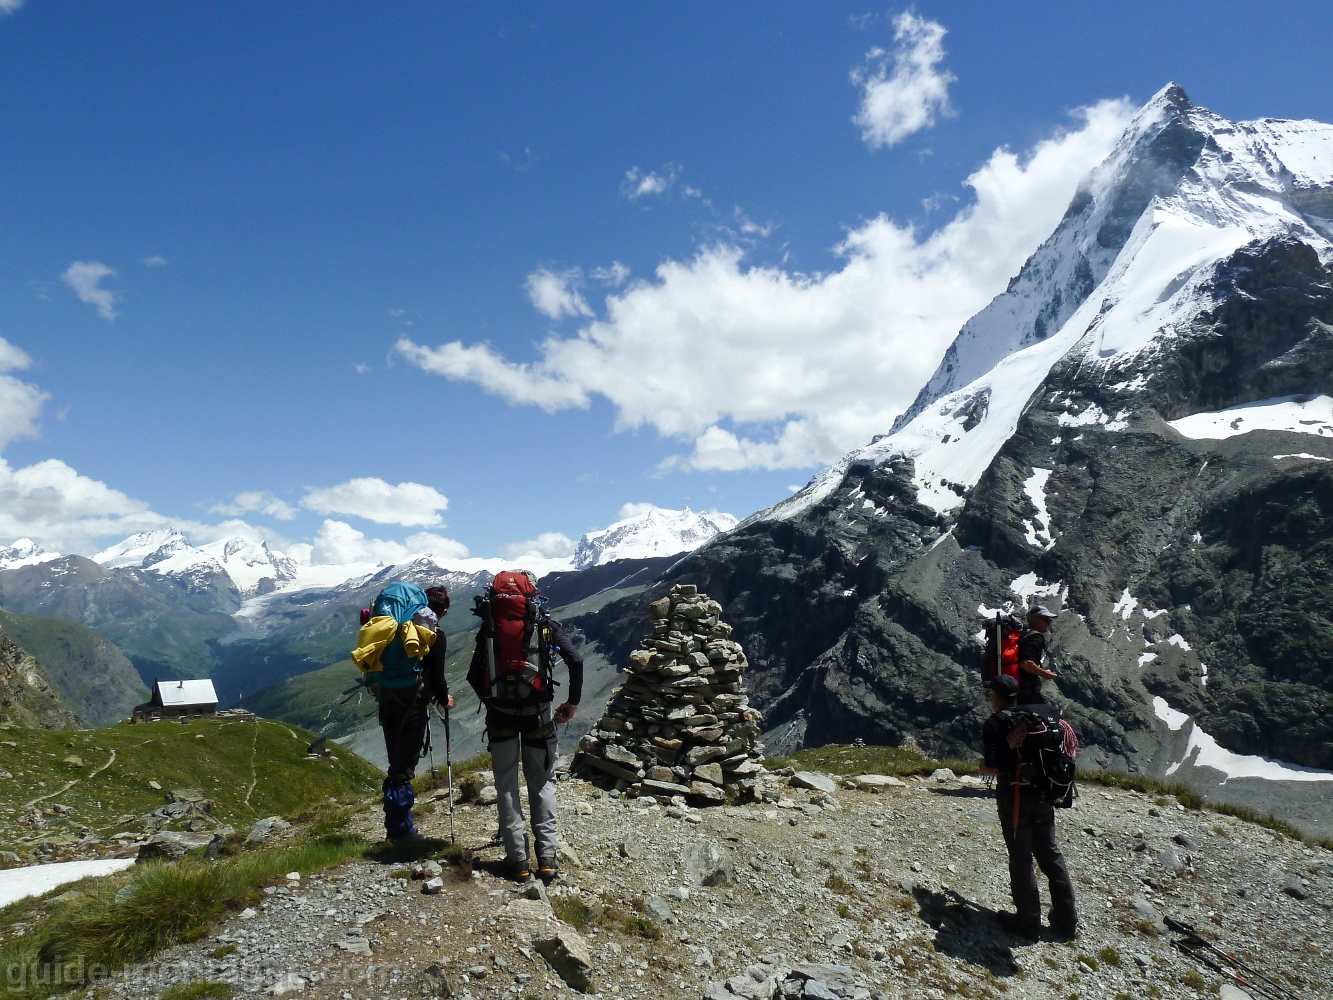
column 1030, row 751
column 401, row 651
column 1017, row 651
column 512, row 673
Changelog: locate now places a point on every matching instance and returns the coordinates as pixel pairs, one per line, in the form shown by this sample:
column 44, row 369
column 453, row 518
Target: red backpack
column 1002, row 638
column 511, row 668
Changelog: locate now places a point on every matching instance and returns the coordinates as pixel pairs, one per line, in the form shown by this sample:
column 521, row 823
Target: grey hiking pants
column 538, row 756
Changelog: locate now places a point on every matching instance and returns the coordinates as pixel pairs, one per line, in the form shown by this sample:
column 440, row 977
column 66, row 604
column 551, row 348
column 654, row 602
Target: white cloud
column 257, row 502
column 635, row 510
column 556, row 294
column 616, row 275
column 156, row 260
column 547, row 545
column 410, row 504
column 896, row 104
column 361, row 368
column 338, row 543
column 637, row 183
column 800, row 368
column 20, row 402
column 64, row 511
column 481, row 365
column 9, row 6
column 85, row 276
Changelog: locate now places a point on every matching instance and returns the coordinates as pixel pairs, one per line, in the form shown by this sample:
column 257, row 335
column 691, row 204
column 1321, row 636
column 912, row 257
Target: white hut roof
column 198, row 692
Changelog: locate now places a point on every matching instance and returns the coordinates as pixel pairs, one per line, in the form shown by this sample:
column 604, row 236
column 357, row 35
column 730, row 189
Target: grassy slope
column 224, row 758
column 90, row 674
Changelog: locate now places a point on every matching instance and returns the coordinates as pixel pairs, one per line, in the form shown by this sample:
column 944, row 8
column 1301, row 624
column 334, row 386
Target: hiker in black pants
column 1027, row 819
column 405, row 711
column 1030, row 648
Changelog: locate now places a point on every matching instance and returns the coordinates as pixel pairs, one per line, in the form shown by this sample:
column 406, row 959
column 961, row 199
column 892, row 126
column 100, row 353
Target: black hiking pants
column 1033, row 837
column 403, row 717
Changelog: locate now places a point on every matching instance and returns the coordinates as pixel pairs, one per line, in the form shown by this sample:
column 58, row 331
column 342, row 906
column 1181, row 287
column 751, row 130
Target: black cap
column 1004, row 685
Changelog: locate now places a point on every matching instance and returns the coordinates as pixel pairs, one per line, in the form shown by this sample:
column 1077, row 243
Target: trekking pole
column 449, row 768
column 1194, row 941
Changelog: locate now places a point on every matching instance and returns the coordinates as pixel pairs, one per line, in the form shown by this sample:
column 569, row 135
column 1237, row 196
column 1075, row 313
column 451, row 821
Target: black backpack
column 1045, row 752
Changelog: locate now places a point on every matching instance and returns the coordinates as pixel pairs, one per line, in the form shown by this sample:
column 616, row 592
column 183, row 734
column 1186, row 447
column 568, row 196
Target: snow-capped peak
column 1129, row 267
column 168, row 551
column 655, row 532
column 248, row 562
column 24, row 552
column 157, row 545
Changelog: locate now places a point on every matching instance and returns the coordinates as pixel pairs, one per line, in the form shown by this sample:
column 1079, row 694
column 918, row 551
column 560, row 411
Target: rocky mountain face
column 1048, row 460
column 26, row 695
column 88, row 673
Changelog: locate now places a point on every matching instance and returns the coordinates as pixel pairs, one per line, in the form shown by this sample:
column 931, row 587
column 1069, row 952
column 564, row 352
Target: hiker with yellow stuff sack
column 400, row 651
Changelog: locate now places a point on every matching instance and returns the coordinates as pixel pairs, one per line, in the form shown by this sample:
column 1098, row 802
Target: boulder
column 171, row 844
column 567, row 953
column 706, row 863
column 814, row 781
column 875, row 782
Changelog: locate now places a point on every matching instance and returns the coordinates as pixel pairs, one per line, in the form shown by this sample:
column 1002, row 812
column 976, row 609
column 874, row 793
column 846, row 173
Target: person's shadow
column 966, row 930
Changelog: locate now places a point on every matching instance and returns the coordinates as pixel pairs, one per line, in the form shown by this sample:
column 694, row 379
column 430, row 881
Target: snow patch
column 1029, row 589
column 35, row 880
column 1204, row 751
column 1305, row 455
column 1038, row 535
column 1179, row 640
column 1294, row 414
column 1125, row 606
column 1147, row 658
column 1092, row 415
column 1173, row 719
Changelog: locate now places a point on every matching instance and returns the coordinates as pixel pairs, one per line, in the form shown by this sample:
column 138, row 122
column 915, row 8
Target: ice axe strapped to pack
column 1002, row 637
column 512, row 671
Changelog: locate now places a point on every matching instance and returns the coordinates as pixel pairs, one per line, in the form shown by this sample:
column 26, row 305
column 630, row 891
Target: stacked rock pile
column 680, row 726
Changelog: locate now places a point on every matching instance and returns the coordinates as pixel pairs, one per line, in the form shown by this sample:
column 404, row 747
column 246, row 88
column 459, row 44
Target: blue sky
column 279, row 215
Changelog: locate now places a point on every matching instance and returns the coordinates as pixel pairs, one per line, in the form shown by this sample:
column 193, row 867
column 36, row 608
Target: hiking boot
column 547, row 869
column 519, row 872
column 1015, row 925
column 1063, row 932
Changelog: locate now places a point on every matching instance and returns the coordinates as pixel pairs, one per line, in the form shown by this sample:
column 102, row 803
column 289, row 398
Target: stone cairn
column 680, row 727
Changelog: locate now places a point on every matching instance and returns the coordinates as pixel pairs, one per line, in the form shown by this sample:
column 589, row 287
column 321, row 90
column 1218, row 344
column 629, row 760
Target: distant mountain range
column 249, row 617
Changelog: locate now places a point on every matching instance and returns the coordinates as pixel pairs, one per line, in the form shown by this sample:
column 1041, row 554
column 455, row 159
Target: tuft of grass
column 223, row 951
column 844, row 911
column 1152, row 991
column 458, row 857
column 464, row 771
column 639, row 926
column 198, row 991
column 1089, row 961
column 838, row 884
column 1193, row 980
column 1109, row 956
column 573, row 911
